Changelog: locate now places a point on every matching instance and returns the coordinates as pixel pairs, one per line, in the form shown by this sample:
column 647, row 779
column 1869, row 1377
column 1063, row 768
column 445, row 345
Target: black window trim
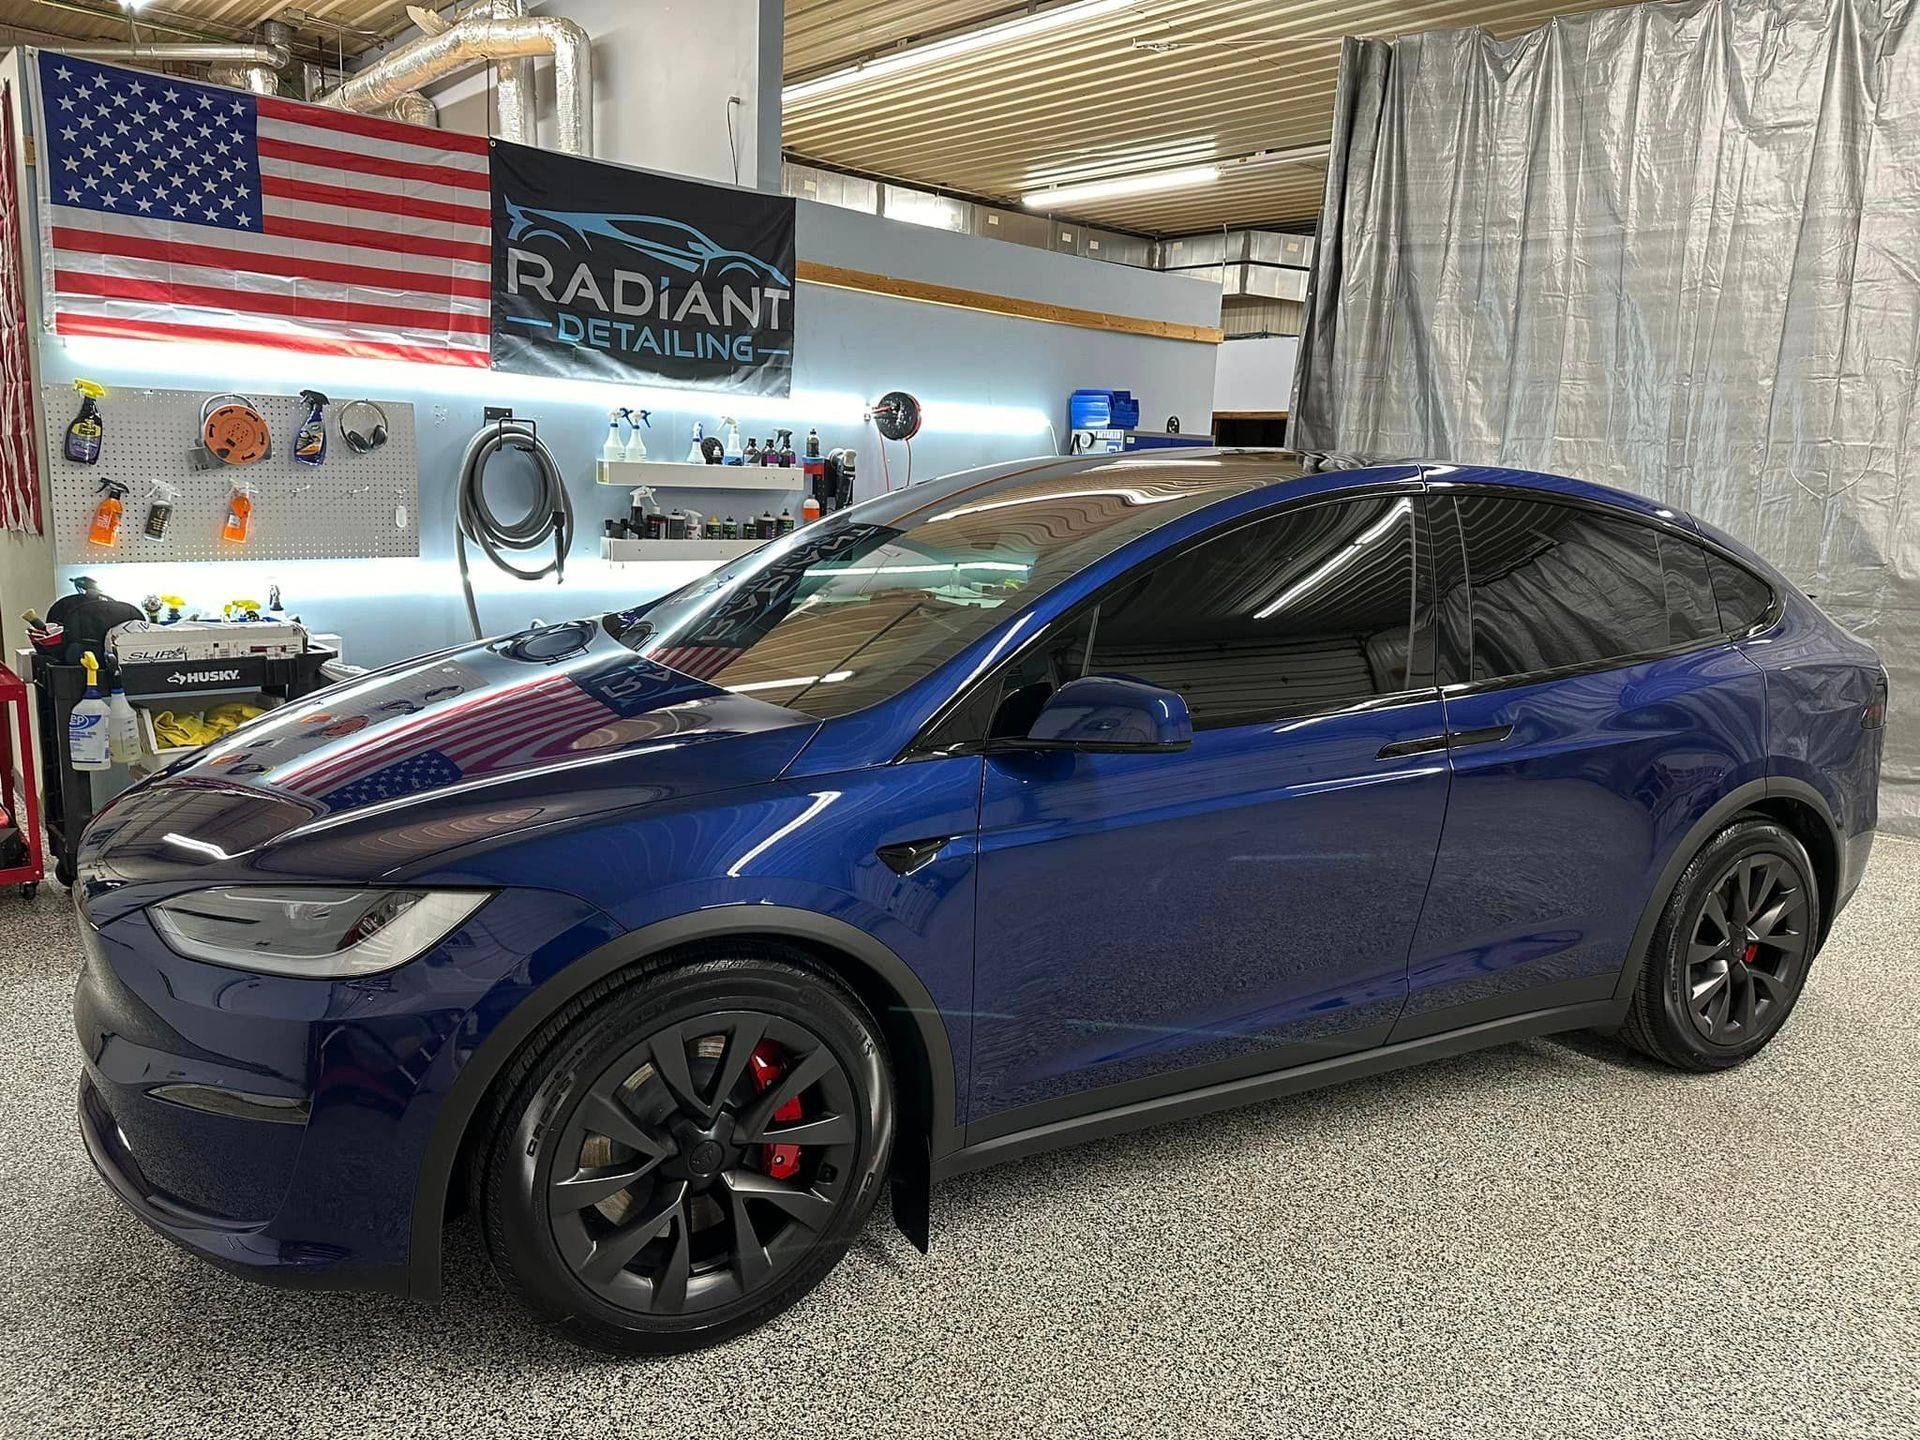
column 918, row 748
column 1772, row 616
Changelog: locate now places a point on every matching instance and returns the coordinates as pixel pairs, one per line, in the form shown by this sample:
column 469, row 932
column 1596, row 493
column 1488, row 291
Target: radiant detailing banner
column 626, row 275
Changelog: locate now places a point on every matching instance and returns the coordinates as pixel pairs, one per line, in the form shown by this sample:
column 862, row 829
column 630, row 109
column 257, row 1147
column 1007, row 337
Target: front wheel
column 678, row 1158
column 1731, row 953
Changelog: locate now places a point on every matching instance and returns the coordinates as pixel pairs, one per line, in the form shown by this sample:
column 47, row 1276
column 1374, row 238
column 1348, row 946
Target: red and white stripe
column 376, row 242
column 700, row 662
column 482, row 734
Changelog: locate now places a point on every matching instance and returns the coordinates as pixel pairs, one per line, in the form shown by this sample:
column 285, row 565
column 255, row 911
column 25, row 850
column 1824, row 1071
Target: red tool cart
column 22, row 852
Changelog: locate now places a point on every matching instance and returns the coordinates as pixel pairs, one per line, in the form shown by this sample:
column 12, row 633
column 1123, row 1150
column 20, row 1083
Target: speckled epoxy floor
column 1551, row 1239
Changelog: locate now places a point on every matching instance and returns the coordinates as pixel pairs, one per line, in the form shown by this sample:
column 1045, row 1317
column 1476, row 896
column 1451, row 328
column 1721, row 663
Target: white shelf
column 678, row 475
column 716, row 551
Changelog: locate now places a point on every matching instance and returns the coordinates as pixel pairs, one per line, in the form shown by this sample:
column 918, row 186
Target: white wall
column 662, row 72
column 1255, row 374
column 991, row 386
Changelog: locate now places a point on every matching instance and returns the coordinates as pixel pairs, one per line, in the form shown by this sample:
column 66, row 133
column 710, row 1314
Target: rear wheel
column 677, row 1159
column 1730, row 956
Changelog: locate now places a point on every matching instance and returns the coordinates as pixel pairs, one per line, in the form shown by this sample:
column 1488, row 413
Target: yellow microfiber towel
column 231, row 716
column 181, row 728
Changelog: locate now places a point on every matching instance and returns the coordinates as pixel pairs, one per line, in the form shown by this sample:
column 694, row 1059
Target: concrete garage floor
column 1553, row 1238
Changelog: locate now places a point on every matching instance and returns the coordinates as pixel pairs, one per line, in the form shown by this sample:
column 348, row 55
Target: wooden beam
column 928, row 293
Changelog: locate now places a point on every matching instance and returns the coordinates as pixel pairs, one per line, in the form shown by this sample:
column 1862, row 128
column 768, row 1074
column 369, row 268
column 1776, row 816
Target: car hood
column 371, row 777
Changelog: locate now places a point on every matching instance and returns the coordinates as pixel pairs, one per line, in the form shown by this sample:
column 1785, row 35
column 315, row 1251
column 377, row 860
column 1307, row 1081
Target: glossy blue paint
column 1093, row 926
column 1249, row 900
column 1548, row 828
column 1105, row 712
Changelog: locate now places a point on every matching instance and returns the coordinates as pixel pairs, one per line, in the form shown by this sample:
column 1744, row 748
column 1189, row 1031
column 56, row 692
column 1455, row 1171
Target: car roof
column 1203, row 473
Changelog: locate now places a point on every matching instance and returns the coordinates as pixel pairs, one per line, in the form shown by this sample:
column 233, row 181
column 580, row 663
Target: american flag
column 19, row 454
column 482, row 734
column 178, row 211
column 700, row 660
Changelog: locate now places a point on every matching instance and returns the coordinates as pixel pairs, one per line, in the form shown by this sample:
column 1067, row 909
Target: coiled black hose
column 550, row 517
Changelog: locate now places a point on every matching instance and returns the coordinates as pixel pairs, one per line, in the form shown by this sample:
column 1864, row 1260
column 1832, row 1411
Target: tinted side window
column 1555, row 585
column 1691, row 611
column 1308, row 611
column 1744, row 598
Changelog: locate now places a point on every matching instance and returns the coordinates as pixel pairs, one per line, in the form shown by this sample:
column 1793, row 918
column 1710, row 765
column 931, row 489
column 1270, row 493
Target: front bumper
column 245, row 1249
column 277, row 1127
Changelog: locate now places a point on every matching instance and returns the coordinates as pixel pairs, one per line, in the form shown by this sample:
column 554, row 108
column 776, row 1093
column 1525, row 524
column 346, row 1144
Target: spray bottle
column 159, row 510
column 123, row 730
column 310, row 444
column 615, row 450
column 786, row 448
column 239, row 513
column 105, row 529
column 734, row 454
column 87, row 725
column 641, row 503
column 636, row 446
column 694, row 457
column 85, row 429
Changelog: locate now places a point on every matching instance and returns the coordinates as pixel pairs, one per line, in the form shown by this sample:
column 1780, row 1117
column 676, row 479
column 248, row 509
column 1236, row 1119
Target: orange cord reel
column 233, row 432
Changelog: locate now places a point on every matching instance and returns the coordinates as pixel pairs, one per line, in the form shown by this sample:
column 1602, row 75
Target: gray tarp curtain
column 1673, row 248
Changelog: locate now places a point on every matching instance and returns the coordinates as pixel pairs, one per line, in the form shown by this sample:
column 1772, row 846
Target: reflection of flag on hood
column 487, row 733
column 492, row 731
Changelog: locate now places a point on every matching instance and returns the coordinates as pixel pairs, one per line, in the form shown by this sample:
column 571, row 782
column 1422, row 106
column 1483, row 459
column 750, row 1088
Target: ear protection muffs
column 363, row 426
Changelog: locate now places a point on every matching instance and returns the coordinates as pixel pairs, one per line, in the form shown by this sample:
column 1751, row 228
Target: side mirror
column 1107, row 713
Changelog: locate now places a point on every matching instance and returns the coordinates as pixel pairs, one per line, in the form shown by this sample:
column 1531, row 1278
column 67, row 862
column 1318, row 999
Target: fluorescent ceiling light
column 1061, row 196
column 986, row 37
column 1148, row 182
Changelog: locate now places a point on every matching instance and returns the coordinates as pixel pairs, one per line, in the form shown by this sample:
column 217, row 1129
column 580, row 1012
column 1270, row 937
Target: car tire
column 1730, row 956
column 747, row 1199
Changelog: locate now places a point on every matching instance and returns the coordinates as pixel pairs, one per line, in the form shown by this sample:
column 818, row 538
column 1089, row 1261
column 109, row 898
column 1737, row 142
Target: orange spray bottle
column 105, row 529
column 239, row 514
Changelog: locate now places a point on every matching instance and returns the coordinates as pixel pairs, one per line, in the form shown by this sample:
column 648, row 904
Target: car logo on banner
column 622, row 274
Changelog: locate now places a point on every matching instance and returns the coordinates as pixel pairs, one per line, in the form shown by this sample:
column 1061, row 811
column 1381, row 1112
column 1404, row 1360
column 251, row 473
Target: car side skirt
column 1186, row 1104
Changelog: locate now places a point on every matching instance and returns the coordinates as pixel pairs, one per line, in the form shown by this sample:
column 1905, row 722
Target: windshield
column 846, row 613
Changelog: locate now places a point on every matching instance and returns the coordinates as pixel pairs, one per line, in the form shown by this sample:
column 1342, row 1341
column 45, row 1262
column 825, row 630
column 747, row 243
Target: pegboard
column 342, row 510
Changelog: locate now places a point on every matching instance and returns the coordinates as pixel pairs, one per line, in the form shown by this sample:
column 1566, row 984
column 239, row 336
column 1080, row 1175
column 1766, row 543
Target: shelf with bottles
column 678, row 475
column 625, row 548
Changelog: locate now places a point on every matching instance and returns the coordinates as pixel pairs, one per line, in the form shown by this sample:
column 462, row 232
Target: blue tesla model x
column 1007, row 811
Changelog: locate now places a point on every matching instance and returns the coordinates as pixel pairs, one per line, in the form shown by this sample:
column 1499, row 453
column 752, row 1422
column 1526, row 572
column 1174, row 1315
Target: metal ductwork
column 414, row 108
column 508, row 41
column 254, row 67
column 185, row 54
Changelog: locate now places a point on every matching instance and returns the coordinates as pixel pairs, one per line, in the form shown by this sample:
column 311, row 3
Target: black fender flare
column 478, row 1074
column 1742, row 797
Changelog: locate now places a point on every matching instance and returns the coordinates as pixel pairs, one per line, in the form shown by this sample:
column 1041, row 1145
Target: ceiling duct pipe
column 273, row 56
column 252, row 67
column 414, row 108
column 480, row 40
column 514, row 98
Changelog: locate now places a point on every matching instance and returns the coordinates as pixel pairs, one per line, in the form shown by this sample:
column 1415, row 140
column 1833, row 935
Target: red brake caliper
column 782, row 1162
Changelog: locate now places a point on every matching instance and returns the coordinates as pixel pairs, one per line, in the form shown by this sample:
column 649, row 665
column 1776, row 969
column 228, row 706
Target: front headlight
column 310, row 931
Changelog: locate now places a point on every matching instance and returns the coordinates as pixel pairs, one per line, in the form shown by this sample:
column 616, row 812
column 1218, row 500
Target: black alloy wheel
column 1731, row 952
column 681, row 1154
column 1749, row 945
column 681, row 1198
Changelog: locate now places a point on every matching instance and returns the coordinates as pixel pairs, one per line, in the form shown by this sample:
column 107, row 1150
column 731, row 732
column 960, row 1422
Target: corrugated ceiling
column 1224, row 78
column 1155, row 84
column 332, row 26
